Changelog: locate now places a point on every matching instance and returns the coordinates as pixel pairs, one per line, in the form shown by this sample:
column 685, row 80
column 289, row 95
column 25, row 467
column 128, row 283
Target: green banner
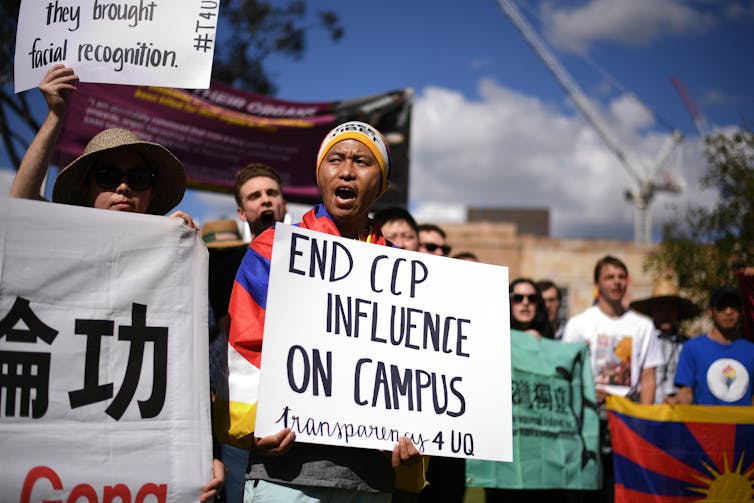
column 555, row 422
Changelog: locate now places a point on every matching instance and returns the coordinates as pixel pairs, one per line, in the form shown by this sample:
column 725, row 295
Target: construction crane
column 648, row 181
column 696, row 115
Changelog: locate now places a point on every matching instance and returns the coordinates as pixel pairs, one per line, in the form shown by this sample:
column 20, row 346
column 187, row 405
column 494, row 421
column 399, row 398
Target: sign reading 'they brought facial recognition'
column 145, row 42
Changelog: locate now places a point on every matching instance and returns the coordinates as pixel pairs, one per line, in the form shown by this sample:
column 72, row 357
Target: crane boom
column 696, row 115
column 647, row 186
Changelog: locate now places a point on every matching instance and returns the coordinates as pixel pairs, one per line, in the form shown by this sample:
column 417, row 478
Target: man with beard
column 259, row 196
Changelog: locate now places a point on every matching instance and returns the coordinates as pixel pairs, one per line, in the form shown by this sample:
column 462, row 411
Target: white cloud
column 633, row 23
column 511, row 150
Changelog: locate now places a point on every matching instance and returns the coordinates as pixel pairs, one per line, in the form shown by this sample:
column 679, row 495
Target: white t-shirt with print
column 619, row 347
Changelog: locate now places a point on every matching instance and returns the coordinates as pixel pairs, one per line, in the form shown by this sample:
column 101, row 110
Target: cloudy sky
column 491, row 125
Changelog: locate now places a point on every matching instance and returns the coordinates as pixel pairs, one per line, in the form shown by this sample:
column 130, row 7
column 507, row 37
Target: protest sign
column 103, row 347
column 165, row 43
column 366, row 343
column 667, row 454
column 555, row 423
column 216, row 131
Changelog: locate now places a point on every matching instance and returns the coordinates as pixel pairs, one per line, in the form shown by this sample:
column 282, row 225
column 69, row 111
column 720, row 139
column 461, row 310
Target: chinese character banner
column 104, row 386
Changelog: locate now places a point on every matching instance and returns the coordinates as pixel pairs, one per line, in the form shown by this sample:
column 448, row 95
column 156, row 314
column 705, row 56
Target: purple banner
column 218, row 130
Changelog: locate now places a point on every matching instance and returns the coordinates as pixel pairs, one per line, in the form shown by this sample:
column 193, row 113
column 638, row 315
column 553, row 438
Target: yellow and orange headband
column 365, row 134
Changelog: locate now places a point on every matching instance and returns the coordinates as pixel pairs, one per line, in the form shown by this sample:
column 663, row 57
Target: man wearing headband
column 352, row 171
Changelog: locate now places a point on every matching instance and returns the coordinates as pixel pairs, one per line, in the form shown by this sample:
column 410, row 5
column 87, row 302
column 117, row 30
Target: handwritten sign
column 166, row 43
column 366, row 343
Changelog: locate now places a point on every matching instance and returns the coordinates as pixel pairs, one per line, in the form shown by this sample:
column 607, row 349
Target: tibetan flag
column 683, row 453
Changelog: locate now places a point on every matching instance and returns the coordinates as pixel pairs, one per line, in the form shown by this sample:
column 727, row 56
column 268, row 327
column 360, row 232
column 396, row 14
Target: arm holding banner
column 56, row 87
column 214, row 485
column 648, row 386
column 685, row 395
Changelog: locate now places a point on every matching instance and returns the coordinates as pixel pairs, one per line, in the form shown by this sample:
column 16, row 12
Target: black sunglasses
column 430, row 247
column 725, row 304
column 518, row 298
column 109, row 177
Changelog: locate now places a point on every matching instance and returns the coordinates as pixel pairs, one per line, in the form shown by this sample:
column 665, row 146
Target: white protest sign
column 366, row 343
column 143, row 42
column 104, row 387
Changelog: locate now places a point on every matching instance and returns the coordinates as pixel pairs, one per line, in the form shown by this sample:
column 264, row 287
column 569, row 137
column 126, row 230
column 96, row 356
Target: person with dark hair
column 466, row 256
column 258, row 191
column 553, row 300
column 432, row 240
column 399, row 227
column 528, row 312
column 717, row 368
column 446, row 476
column 624, row 352
column 352, row 172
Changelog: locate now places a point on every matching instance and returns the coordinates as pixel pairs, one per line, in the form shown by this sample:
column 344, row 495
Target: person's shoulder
column 574, row 326
column 699, row 340
column 262, row 244
column 639, row 319
column 745, row 343
column 589, row 311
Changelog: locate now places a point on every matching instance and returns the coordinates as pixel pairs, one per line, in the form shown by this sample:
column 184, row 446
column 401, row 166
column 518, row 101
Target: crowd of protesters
column 637, row 351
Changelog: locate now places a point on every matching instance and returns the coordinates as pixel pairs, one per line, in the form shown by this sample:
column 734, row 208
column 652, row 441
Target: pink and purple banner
column 218, row 130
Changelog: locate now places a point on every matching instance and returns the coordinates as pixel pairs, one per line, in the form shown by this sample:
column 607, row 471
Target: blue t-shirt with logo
column 719, row 374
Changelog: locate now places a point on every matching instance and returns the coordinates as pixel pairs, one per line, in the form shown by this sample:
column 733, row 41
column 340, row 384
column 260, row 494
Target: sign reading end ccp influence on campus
column 364, row 344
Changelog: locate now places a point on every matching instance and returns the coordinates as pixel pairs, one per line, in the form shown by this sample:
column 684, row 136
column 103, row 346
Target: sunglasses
column 109, row 177
column 431, row 247
column 723, row 305
column 518, row 298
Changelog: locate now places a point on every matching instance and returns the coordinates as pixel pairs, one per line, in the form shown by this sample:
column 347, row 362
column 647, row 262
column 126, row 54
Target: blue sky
column 491, row 126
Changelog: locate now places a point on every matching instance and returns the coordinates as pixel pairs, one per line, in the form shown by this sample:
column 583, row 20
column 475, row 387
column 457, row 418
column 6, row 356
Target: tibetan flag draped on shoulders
column 683, row 453
column 235, row 404
column 555, row 421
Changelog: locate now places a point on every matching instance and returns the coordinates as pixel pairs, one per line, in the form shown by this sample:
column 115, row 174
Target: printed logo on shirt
column 727, row 379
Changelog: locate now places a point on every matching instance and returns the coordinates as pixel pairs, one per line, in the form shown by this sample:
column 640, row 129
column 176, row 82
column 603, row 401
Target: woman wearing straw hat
column 117, row 171
column 667, row 309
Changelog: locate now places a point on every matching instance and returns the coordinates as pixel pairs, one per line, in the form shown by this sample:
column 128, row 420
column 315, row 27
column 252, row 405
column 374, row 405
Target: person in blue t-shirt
column 717, row 368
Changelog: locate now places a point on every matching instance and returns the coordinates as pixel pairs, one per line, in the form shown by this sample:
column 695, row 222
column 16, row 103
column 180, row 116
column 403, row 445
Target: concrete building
column 569, row 263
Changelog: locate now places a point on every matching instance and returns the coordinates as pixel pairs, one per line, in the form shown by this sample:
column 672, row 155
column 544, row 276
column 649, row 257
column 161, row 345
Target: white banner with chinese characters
column 143, row 42
column 367, row 343
column 104, row 388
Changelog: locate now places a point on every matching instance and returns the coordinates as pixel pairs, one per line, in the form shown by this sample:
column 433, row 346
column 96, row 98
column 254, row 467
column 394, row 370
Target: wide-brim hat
column 169, row 182
column 667, row 289
column 222, row 234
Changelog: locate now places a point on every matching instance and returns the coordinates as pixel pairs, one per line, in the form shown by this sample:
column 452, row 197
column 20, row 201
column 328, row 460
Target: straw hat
column 222, row 234
column 666, row 289
column 170, row 177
